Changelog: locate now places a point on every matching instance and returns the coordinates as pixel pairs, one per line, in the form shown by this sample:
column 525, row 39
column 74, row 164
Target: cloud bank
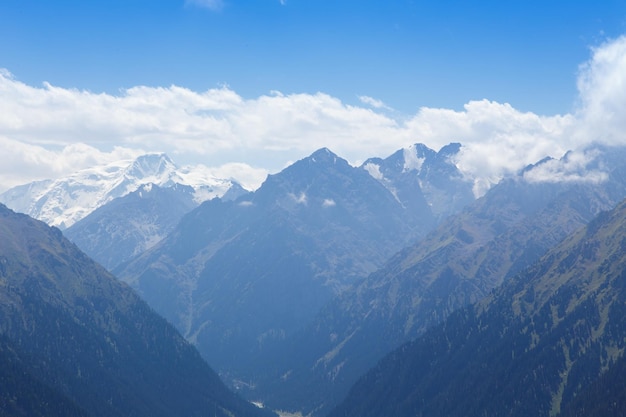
column 48, row 131
column 602, row 91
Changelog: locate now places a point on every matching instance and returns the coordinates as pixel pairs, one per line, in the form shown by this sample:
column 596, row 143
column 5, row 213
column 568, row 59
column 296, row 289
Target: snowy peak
column 414, row 157
column 403, row 160
column 65, row 201
column 421, row 169
column 158, row 166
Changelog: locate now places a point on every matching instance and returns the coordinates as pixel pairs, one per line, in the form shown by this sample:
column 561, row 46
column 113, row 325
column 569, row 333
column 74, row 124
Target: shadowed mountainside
column 74, row 335
column 545, row 341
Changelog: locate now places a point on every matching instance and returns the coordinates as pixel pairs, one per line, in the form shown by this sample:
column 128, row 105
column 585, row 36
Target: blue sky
column 263, row 83
column 408, row 54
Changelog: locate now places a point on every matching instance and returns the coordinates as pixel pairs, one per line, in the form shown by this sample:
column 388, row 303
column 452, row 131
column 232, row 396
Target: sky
column 247, row 87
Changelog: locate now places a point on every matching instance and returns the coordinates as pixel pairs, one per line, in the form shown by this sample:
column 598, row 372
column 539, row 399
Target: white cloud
column 207, row 4
column 373, row 170
column 497, row 139
column 602, row 92
column 375, row 103
column 249, row 177
column 23, row 162
column 46, row 131
column 411, row 160
column 328, row 202
column 573, row 167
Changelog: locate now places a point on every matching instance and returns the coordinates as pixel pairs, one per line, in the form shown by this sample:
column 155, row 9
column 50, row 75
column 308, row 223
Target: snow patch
column 300, row 199
column 374, row 170
column 412, row 162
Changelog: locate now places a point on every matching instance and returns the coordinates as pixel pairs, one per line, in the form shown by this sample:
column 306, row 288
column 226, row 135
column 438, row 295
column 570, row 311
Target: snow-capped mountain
column 65, row 201
column 443, row 186
column 239, row 277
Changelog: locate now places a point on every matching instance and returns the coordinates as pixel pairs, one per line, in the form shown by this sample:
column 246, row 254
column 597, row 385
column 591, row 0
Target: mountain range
column 240, row 277
column 75, row 341
column 458, row 263
column 63, row 202
column 509, row 304
column 128, row 226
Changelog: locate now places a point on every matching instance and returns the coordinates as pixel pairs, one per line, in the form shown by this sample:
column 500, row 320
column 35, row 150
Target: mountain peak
column 449, row 150
column 301, row 174
column 414, row 156
column 321, row 159
column 65, row 201
column 151, row 165
column 323, row 155
column 155, row 157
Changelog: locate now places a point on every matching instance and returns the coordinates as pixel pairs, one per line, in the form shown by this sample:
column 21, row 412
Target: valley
column 326, row 208
column 298, row 291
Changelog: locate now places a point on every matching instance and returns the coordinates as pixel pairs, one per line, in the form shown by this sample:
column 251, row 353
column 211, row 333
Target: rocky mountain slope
column 605, row 396
column 76, row 341
column 547, row 341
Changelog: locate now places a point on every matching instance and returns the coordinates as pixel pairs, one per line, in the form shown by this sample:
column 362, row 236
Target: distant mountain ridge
column 65, row 201
column 129, row 225
column 434, row 173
